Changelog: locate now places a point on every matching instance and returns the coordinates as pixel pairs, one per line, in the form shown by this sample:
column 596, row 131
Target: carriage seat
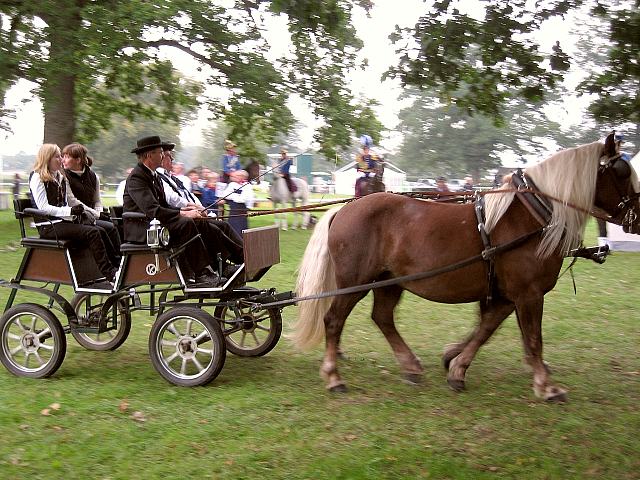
column 23, row 210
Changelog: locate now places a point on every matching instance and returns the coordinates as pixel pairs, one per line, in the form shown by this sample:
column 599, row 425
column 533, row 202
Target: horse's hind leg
column 334, row 323
column 384, row 303
column 457, row 357
column 530, row 322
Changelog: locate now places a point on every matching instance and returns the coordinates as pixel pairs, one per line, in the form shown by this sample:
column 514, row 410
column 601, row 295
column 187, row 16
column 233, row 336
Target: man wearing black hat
column 144, row 194
column 177, row 195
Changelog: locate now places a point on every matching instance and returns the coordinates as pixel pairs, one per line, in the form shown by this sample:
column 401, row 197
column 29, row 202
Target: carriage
column 194, row 327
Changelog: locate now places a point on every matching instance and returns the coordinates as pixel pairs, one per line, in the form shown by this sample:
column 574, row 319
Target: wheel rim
column 252, row 330
column 185, row 347
column 28, row 342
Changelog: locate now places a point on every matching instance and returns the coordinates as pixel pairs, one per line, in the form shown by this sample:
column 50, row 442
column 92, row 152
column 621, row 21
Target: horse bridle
column 624, row 214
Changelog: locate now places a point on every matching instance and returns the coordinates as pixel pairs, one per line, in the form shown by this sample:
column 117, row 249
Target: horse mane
column 568, row 175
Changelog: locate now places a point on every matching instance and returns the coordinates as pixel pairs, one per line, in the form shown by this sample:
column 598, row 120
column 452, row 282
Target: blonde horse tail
column 315, row 275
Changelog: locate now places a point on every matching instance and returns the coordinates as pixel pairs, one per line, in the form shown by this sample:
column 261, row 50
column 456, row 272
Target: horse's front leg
column 530, row 322
column 458, row 356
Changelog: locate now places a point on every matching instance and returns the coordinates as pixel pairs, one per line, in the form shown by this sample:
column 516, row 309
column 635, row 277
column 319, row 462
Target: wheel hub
column 187, row 347
column 30, row 342
column 248, row 323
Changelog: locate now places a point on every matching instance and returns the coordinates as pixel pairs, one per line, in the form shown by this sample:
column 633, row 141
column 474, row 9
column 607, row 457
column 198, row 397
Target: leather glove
column 77, row 210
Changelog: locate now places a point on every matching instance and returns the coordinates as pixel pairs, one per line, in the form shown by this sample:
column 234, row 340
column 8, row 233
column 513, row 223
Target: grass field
column 110, row 416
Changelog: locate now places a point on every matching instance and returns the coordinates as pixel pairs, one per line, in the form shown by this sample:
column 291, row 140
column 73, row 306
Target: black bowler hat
column 148, row 143
column 167, row 146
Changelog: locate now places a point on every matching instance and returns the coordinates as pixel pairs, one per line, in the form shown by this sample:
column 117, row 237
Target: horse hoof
column 340, row 388
column 412, row 378
column 456, row 385
column 556, row 395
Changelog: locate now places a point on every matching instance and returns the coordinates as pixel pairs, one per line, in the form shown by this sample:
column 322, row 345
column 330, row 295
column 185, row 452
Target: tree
column 443, row 140
column 112, row 149
column 617, row 81
column 479, row 65
column 93, row 59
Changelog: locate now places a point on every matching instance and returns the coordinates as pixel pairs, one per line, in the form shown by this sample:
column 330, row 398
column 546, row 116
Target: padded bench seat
column 36, row 242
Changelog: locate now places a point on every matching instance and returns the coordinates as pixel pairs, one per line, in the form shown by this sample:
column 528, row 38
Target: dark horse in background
column 372, row 184
column 253, row 169
column 386, row 235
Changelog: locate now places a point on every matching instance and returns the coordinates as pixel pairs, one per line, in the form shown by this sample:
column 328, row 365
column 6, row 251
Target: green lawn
column 270, row 417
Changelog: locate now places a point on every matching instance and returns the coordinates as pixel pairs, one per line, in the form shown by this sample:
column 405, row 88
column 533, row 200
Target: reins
column 440, row 197
column 484, row 255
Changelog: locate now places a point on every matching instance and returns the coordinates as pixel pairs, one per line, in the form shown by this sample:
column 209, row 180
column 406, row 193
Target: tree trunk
column 58, row 88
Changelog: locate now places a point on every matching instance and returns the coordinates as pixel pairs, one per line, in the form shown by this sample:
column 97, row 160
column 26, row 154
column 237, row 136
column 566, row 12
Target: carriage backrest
column 19, row 206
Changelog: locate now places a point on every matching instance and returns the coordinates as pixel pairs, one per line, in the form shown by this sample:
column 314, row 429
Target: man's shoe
column 230, row 269
column 210, row 279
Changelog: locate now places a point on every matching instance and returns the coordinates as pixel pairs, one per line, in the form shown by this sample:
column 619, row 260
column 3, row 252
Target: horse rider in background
column 284, row 168
column 367, row 162
column 230, row 160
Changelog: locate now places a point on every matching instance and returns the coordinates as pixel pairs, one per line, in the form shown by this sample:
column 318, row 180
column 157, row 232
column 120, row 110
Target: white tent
column 616, row 238
column 345, row 178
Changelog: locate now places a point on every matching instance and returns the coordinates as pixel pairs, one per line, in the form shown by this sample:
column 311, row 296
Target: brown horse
column 372, row 184
column 383, row 235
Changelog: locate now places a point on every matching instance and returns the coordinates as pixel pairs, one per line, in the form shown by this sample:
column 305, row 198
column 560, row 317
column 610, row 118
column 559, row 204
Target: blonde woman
column 49, row 194
column 84, row 188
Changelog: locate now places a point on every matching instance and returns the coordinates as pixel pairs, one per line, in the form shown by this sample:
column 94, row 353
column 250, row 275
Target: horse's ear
column 610, row 145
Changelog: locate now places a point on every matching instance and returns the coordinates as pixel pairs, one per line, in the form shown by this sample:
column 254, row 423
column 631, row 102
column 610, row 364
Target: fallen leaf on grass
column 350, row 437
column 124, row 405
column 45, row 412
column 54, row 406
column 138, row 416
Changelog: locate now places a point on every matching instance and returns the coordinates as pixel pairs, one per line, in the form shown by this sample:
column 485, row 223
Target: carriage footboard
column 261, row 250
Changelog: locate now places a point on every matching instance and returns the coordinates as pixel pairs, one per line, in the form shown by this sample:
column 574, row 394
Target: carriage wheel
column 33, row 341
column 249, row 334
column 186, row 346
column 84, row 304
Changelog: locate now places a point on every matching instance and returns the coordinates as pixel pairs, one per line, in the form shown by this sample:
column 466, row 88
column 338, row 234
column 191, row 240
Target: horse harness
column 539, row 207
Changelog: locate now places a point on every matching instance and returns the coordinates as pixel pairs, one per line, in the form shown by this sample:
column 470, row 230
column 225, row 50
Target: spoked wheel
column 249, row 334
column 84, row 305
column 187, row 347
column 33, row 341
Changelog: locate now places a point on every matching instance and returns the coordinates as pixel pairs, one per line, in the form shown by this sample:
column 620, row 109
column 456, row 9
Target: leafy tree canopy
column 94, row 59
column 480, row 64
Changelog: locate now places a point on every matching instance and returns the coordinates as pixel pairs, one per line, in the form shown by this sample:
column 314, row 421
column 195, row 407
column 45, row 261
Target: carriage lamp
column 157, row 235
